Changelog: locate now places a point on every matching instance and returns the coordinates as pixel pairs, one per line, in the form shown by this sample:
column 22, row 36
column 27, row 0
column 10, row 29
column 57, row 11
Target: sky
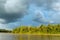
column 14, row 13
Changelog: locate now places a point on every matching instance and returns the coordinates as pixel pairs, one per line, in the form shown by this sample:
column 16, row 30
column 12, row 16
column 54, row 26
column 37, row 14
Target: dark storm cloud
column 11, row 17
column 11, row 10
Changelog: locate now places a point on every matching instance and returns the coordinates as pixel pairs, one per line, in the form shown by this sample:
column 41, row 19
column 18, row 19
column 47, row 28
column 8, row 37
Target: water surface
column 8, row 36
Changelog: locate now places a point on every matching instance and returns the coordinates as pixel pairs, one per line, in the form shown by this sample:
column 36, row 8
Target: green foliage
column 49, row 29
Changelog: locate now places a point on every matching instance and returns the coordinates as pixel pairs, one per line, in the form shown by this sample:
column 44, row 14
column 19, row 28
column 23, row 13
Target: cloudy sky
column 14, row 13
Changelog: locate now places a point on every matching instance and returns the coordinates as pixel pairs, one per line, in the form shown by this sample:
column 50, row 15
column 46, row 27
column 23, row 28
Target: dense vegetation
column 42, row 29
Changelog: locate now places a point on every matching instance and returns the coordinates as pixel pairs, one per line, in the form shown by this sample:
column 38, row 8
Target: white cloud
column 2, row 20
column 4, row 26
column 16, row 6
column 51, row 22
column 56, row 6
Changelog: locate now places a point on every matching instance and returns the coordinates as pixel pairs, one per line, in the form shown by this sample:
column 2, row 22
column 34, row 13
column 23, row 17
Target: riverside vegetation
column 42, row 29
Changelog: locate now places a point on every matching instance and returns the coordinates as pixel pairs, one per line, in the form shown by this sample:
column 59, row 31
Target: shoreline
column 31, row 34
column 35, row 34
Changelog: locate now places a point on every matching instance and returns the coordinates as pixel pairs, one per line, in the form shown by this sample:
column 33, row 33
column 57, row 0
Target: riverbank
column 36, row 34
column 27, row 34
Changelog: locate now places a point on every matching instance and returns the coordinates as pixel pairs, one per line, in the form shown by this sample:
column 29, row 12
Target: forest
column 42, row 29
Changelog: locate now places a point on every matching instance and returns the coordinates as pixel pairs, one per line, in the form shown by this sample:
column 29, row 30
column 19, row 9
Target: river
column 9, row 36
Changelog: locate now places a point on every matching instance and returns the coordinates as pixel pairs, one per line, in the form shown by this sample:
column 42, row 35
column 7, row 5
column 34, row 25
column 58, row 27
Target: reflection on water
column 9, row 36
column 44, row 37
column 28, row 37
column 40, row 37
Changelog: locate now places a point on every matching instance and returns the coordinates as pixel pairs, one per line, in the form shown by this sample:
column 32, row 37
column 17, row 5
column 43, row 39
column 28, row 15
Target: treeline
column 42, row 29
column 5, row 31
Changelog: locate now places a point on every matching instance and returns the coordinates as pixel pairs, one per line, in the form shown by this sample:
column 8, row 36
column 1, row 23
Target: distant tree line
column 5, row 31
column 48, row 29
